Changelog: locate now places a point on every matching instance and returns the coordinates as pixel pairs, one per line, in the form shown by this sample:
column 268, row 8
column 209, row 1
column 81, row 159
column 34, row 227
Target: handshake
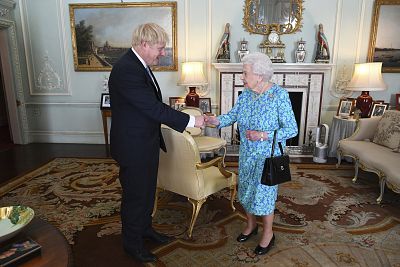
column 203, row 121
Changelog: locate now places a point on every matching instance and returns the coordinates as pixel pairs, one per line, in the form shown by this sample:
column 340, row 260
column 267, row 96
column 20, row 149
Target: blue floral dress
column 269, row 111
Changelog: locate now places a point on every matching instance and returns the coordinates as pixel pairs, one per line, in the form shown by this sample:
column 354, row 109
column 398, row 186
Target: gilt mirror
column 284, row 16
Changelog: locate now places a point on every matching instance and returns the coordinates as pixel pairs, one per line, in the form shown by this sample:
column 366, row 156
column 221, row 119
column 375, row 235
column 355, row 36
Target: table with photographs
column 341, row 128
column 55, row 250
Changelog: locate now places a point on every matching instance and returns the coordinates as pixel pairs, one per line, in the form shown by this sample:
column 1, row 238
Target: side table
column 341, row 128
column 55, row 252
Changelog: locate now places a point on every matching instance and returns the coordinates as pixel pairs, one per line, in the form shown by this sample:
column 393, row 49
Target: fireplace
column 304, row 82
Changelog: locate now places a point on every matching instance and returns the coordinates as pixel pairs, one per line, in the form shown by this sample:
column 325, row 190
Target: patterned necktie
column 154, row 82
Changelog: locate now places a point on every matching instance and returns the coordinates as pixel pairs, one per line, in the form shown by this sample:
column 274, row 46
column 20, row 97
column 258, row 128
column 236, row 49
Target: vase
column 192, row 98
column 300, row 53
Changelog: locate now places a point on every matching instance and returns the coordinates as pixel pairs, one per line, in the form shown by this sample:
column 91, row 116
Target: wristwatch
column 262, row 136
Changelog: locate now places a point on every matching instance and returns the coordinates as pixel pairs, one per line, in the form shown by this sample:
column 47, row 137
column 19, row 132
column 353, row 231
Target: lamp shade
column 192, row 74
column 367, row 77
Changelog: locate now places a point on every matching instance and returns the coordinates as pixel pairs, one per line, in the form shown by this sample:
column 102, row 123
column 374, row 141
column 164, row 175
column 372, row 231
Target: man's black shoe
column 158, row 237
column 142, row 255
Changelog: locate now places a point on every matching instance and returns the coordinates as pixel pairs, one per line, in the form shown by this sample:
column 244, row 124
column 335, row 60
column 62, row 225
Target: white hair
column 151, row 33
column 260, row 64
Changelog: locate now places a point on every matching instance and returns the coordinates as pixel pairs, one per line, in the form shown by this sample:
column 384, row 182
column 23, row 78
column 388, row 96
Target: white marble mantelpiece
column 306, row 78
column 294, row 67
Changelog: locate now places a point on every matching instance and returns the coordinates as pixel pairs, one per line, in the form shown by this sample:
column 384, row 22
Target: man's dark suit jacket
column 135, row 139
column 137, row 112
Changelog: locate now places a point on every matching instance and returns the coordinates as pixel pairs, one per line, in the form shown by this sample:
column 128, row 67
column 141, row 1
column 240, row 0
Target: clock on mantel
column 273, row 47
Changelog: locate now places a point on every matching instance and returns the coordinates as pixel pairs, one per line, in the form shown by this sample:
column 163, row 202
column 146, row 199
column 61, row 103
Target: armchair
column 205, row 144
column 181, row 171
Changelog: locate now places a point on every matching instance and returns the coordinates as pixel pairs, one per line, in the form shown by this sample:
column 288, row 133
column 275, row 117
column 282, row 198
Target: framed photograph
column 176, row 102
column 384, row 44
column 353, row 106
column 345, row 107
column 205, row 104
column 105, row 101
column 101, row 33
column 378, row 109
column 398, row 101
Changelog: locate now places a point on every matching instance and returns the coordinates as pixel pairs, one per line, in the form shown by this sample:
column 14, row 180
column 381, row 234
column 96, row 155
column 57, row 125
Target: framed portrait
column 384, row 44
column 105, row 102
column 205, row 104
column 398, row 101
column 101, row 33
column 345, row 107
column 176, row 102
column 378, row 109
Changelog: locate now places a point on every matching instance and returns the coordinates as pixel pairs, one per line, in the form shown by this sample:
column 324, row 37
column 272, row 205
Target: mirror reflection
column 283, row 15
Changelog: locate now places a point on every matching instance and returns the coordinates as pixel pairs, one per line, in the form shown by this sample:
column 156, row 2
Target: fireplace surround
column 305, row 83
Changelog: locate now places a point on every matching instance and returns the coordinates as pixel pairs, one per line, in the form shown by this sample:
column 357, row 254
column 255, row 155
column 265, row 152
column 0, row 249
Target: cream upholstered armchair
column 205, row 144
column 181, row 171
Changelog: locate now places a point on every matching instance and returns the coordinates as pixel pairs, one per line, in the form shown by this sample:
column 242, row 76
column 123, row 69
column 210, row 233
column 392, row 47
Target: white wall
column 44, row 29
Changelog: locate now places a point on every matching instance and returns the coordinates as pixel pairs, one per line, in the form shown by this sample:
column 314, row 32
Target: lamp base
column 192, row 98
column 364, row 103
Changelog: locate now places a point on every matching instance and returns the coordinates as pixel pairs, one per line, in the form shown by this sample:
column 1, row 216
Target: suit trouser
column 138, row 182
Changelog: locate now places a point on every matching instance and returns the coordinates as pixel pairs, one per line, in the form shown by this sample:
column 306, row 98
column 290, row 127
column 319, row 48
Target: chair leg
column 382, row 183
column 233, row 196
column 339, row 158
column 223, row 156
column 356, row 163
column 195, row 212
column 155, row 202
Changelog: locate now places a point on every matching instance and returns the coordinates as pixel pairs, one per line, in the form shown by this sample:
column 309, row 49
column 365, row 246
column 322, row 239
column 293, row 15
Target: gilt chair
column 206, row 144
column 181, row 171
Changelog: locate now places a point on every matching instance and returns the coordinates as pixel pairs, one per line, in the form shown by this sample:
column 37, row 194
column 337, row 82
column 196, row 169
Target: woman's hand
column 211, row 120
column 256, row 135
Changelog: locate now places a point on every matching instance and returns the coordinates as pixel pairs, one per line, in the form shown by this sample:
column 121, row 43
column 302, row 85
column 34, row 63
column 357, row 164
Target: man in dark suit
column 137, row 114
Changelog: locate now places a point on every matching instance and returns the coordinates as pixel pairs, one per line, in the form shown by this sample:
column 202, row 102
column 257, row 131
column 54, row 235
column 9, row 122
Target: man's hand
column 199, row 121
column 211, row 120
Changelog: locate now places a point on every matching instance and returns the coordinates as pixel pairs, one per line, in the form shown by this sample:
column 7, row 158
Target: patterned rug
column 322, row 218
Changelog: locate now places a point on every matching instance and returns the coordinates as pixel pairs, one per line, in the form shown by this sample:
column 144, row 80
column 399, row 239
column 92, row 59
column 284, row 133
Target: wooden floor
column 20, row 159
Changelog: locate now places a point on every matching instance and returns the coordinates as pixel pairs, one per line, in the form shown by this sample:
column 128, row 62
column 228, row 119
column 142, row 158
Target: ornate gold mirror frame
column 285, row 16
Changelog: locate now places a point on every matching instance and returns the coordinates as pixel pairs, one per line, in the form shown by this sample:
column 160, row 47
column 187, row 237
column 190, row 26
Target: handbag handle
column 273, row 145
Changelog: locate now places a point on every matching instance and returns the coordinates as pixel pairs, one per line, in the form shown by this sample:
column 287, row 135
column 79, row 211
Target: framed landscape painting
column 384, row 45
column 101, row 33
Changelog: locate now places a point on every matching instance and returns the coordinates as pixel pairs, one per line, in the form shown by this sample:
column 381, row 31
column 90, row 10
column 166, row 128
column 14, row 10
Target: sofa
column 375, row 147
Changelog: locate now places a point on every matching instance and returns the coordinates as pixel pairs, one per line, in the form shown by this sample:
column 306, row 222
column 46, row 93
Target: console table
column 105, row 114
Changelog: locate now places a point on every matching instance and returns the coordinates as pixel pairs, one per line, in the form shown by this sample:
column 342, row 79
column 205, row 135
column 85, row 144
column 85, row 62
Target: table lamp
column 366, row 77
column 192, row 76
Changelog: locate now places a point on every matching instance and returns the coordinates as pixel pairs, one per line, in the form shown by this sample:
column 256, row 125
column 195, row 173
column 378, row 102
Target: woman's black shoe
column 243, row 237
column 261, row 250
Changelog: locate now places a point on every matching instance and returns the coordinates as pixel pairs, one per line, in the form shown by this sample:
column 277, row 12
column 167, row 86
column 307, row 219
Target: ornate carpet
column 322, row 218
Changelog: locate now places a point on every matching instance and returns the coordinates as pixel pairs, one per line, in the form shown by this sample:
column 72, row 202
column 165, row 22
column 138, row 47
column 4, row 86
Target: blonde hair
column 260, row 63
column 151, row 33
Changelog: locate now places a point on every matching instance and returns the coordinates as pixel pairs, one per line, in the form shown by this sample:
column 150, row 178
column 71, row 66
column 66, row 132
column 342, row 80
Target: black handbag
column 276, row 168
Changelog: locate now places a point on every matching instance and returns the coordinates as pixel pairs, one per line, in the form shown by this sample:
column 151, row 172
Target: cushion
column 388, row 131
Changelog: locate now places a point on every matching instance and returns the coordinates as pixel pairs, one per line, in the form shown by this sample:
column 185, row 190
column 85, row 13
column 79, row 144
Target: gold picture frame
column 286, row 18
column 101, row 33
column 384, row 32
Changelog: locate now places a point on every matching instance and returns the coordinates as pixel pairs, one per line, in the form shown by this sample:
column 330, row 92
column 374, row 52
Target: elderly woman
column 261, row 108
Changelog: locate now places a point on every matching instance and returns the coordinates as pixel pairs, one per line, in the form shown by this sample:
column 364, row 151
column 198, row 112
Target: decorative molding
column 80, row 104
column 48, row 79
column 4, row 12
